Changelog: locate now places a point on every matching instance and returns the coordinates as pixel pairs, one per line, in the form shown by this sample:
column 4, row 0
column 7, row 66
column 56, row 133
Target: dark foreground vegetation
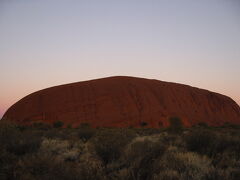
column 41, row 152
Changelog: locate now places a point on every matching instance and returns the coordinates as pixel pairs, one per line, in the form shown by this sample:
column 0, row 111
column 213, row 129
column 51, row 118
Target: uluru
column 124, row 102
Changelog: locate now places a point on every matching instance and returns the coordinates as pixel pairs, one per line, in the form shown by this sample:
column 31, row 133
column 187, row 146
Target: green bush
column 202, row 124
column 230, row 125
column 9, row 133
column 211, row 144
column 167, row 175
column 69, row 126
column 227, row 143
column 86, row 133
column 201, row 141
column 26, row 143
column 109, row 143
column 47, row 167
column 17, row 142
column 143, row 124
column 183, row 165
column 63, row 149
column 41, row 126
column 227, row 173
column 44, row 166
column 175, row 125
column 58, row 124
column 84, row 125
column 24, row 146
column 7, row 163
column 57, row 133
column 140, row 157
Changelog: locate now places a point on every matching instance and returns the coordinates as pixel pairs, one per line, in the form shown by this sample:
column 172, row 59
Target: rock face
column 124, row 102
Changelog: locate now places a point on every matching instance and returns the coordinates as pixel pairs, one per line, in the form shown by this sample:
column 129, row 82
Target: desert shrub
column 210, row 143
column 167, row 175
column 147, row 131
column 17, row 142
column 233, row 173
column 227, row 143
column 168, row 139
column 8, row 133
column 109, row 143
column 44, row 166
column 183, row 165
column 70, row 154
column 85, row 133
column 54, row 146
column 91, row 174
column 142, row 148
column 56, row 133
column 121, row 174
column 58, row 124
column 140, row 156
column 48, row 167
column 22, row 128
column 62, row 149
column 201, row 141
column 7, row 162
column 175, row 125
column 91, row 167
column 24, row 145
column 224, row 174
column 225, row 160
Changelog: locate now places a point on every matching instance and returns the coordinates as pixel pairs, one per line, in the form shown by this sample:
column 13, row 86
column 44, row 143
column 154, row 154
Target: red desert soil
column 124, row 102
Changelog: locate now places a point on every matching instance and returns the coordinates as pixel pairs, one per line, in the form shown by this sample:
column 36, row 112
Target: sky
column 52, row 42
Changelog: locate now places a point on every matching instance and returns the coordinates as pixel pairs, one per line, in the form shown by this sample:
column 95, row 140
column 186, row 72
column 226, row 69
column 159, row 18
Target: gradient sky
column 50, row 42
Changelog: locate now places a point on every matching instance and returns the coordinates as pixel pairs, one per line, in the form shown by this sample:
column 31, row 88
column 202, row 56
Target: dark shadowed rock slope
column 124, row 102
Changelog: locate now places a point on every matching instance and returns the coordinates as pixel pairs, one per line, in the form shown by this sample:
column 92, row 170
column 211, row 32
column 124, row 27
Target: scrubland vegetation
column 43, row 152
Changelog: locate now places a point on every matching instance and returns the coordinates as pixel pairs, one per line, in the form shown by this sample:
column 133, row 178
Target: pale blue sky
column 50, row 42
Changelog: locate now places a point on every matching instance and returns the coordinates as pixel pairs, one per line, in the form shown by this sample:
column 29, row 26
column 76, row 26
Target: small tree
column 160, row 124
column 41, row 125
column 175, row 125
column 143, row 124
column 202, row 124
column 85, row 132
column 201, row 141
column 84, row 125
column 69, row 126
column 110, row 143
column 58, row 124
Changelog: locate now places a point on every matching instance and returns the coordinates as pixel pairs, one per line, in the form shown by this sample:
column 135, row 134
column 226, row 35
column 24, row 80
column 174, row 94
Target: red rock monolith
column 124, row 102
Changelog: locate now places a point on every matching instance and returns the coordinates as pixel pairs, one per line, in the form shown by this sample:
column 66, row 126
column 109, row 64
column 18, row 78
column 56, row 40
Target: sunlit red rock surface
column 124, row 102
